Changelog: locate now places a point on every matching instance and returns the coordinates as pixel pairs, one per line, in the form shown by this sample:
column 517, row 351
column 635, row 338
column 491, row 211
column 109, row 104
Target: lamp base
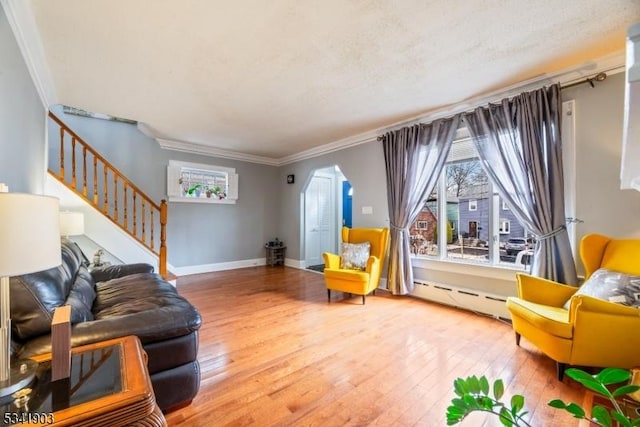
column 22, row 373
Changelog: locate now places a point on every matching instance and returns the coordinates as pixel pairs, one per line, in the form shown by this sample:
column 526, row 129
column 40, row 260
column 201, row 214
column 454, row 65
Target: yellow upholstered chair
column 356, row 281
column 592, row 331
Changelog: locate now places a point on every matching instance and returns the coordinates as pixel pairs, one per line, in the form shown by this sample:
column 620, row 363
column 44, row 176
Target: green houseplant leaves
column 600, row 383
column 475, row 394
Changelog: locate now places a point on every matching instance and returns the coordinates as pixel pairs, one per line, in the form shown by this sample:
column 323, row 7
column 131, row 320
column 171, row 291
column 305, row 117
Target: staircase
column 86, row 173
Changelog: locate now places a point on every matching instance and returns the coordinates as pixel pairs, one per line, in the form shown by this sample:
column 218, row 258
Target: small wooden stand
column 61, row 343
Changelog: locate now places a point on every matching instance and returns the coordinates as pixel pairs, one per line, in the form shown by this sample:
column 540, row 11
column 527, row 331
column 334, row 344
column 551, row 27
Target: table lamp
column 29, row 242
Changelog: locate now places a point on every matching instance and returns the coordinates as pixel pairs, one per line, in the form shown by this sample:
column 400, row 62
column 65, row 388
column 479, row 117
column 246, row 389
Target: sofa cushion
column 142, row 304
column 35, row 296
column 102, row 274
column 354, row 256
column 611, row 286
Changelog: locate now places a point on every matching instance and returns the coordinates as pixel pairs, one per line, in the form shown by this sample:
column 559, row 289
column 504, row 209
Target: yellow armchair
column 592, row 331
column 355, row 281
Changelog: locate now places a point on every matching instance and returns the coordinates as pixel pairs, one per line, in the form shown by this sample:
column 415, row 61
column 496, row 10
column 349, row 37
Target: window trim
column 422, row 222
column 175, row 191
column 494, row 265
column 501, row 228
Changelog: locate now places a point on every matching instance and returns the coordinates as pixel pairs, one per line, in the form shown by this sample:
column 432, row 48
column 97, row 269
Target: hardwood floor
column 273, row 352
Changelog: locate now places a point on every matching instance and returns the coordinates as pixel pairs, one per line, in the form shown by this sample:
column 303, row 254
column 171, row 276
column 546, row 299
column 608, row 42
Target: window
column 505, row 206
column 423, row 232
column 476, row 227
column 191, row 182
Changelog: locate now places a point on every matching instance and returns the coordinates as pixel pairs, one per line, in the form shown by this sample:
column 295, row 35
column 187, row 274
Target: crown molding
column 191, row 147
column 25, row 31
column 194, row 148
column 331, row 147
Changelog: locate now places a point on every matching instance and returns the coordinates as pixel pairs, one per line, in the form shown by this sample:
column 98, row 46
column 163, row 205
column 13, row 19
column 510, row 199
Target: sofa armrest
column 543, row 291
column 331, row 260
column 102, row 274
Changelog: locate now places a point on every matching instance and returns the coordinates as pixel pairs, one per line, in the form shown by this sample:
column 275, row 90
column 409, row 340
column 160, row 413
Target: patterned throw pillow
column 354, row 256
column 612, row 286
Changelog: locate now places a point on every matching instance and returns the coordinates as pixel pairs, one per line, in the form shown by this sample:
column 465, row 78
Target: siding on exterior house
column 423, row 231
column 481, row 217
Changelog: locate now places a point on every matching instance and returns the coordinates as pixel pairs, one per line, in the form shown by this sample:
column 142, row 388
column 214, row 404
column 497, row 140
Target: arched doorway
column 326, row 209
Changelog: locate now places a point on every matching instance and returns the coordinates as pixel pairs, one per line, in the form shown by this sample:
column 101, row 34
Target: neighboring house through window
column 475, row 213
column 478, row 221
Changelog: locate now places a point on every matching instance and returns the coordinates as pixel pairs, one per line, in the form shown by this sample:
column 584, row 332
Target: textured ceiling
column 277, row 77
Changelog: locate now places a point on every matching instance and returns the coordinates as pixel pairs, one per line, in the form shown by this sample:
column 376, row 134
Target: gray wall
column 600, row 203
column 198, row 233
column 362, row 165
column 22, row 119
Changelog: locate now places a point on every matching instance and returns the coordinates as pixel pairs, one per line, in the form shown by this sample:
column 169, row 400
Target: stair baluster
column 111, row 197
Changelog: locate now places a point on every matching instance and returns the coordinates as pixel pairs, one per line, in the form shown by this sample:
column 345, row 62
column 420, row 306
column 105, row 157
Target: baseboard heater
column 469, row 299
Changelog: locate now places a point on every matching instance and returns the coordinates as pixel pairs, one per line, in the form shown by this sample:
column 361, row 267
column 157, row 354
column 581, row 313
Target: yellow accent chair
column 356, row 281
column 591, row 332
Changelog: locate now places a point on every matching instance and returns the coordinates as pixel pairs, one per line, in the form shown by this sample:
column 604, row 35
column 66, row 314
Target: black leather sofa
column 107, row 303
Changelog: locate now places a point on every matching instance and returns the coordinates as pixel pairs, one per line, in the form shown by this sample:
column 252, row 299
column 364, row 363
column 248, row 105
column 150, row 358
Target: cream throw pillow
column 611, row 286
column 354, row 256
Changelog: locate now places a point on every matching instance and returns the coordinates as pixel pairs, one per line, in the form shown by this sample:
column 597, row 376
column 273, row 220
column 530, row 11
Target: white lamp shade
column 29, row 233
column 71, row 223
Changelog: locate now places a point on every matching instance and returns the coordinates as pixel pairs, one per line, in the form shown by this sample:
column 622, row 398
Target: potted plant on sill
column 217, row 191
column 194, row 190
column 475, row 394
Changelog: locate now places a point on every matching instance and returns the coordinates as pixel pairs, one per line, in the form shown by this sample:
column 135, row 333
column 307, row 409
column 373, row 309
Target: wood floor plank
column 273, row 352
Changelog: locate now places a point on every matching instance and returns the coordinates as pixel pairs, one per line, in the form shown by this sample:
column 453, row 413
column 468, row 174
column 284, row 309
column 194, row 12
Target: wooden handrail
column 107, row 201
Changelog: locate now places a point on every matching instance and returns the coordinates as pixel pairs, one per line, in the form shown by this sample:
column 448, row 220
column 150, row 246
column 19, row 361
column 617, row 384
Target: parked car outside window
column 516, row 244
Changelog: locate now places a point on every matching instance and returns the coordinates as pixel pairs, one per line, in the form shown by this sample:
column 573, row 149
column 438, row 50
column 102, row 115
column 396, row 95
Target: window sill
column 201, row 200
column 500, row 272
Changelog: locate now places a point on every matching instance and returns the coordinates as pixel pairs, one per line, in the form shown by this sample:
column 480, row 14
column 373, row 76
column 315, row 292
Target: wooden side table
column 109, row 386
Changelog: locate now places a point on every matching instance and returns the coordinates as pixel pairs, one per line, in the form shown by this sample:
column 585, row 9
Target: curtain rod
column 597, row 78
column 524, row 87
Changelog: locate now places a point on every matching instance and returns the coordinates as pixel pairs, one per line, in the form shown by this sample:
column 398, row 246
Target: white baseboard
column 220, row 266
column 232, row 265
column 295, row 263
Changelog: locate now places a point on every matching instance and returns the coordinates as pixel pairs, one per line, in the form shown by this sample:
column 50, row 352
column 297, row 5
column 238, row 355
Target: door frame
column 336, row 190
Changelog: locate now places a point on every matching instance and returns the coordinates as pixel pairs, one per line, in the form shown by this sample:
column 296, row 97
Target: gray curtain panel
column 414, row 157
column 518, row 142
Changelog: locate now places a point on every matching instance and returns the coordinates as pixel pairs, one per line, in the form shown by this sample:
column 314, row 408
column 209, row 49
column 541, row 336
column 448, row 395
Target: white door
column 319, row 218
